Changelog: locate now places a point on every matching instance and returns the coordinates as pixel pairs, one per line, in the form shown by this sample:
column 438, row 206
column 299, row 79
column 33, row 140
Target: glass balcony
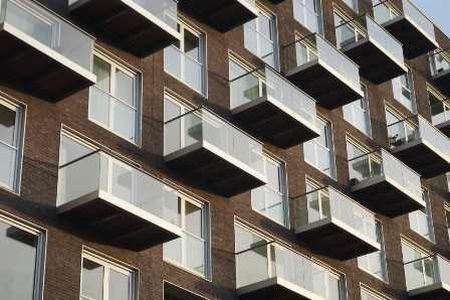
column 41, row 53
column 210, row 152
column 384, row 184
column 120, row 204
column 271, row 272
column 327, row 219
column 411, row 27
column 322, row 71
column 222, row 15
column 272, row 108
column 428, row 278
column 139, row 26
column 440, row 114
column 420, row 145
column 440, row 70
column 378, row 54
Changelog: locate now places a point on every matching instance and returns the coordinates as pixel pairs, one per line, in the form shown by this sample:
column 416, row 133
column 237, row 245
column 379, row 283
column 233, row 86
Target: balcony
column 440, row 70
column 420, row 145
column 440, row 114
column 139, row 26
column 213, row 154
column 322, row 71
column 327, row 219
column 412, row 28
column 272, row 272
column 41, row 53
column 384, row 184
column 428, row 278
column 271, row 108
column 378, row 54
column 222, row 15
column 120, row 204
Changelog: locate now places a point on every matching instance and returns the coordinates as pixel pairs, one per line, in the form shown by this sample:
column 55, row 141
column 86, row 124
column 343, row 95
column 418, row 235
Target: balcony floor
column 345, row 245
column 125, row 26
column 328, row 90
column 384, row 198
column 212, row 172
column 265, row 120
column 30, row 70
column 422, row 159
column 269, row 289
column 115, row 226
column 415, row 43
column 445, row 128
column 374, row 64
column 442, row 82
column 222, row 15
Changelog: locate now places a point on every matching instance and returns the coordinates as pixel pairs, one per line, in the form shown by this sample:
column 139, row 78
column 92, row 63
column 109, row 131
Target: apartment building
column 223, row 149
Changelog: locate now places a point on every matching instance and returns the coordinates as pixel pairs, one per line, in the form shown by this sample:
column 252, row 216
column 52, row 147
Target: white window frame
column 398, row 88
column 116, row 65
column 39, row 270
column 109, row 265
column 382, row 253
column 282, row 177
column 183, row 198
column 185, row 26
column 445, row 104
column 425, row 255
column 426, row 213
column 364, row 108
column 19, row 138
column 393, row 11
column 273, row 30
column 300, row 5
column 331, row 150
column 358, row 33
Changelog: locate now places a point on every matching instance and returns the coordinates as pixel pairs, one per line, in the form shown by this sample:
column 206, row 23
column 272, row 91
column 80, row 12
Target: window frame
column 19, row 139
column 399, row 87
column 427, row 211
column 366, row 111
column 183, row 198
column 116, row 64
column 300, row 5
column 41, row 250
column 431, row 92
column 346, row 21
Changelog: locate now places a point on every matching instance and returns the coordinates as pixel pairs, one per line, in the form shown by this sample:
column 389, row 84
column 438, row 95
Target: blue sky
column 437, row 11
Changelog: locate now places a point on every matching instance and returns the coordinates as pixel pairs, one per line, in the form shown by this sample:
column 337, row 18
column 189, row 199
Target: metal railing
column 329, row 203
column 203, row 126
column 49, row 30
column 427, row 271
column 267, row 83
column 98, row 173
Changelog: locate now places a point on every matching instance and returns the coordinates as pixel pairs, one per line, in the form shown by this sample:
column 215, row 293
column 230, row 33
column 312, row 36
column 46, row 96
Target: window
column 421, row 221
column 11, row 131
column 367, row 294
column 260, row 37
column 346, row 32
column 439, row 61
column 375, row 263
column 191, row 251
column 353, row 4
column 21, row 261
column 419, row 267
column 105, row 280
column 440, row 109
column 319, row 152
column 71, row 148
column 384, row 11
column 357, row 113
column 186, row 59
column 447, row 218
column 362, row 163
column 304, row 51
column 244, row 92
column 114, row 101
column 400, row 131
column 271, row 199
column 403, row 89
column 309, row 14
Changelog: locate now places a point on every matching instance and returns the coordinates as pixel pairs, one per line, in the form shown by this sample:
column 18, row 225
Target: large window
column 309, row 14
column 21, row 261
column 105, row 280
column 447, row 218
column 384, row 11
column 11, row 129
column 403, row 89
column 260, row 37
column 191, row 251
column 319, row 152
column 399, row 131
column 440, row 108
column 419, row 266
column 362, row 163
column 357, row 113
column 114, row 101
column 186, row 59
column 271, row 199
column 421, row 221
column 375, row 263
column 71, row 148
column 346, row 32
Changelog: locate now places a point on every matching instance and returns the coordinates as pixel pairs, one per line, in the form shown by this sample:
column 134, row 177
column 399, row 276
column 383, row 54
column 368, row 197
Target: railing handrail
column 267, row 243
column 366, row 154
column 297, row 40
column 112, row 96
